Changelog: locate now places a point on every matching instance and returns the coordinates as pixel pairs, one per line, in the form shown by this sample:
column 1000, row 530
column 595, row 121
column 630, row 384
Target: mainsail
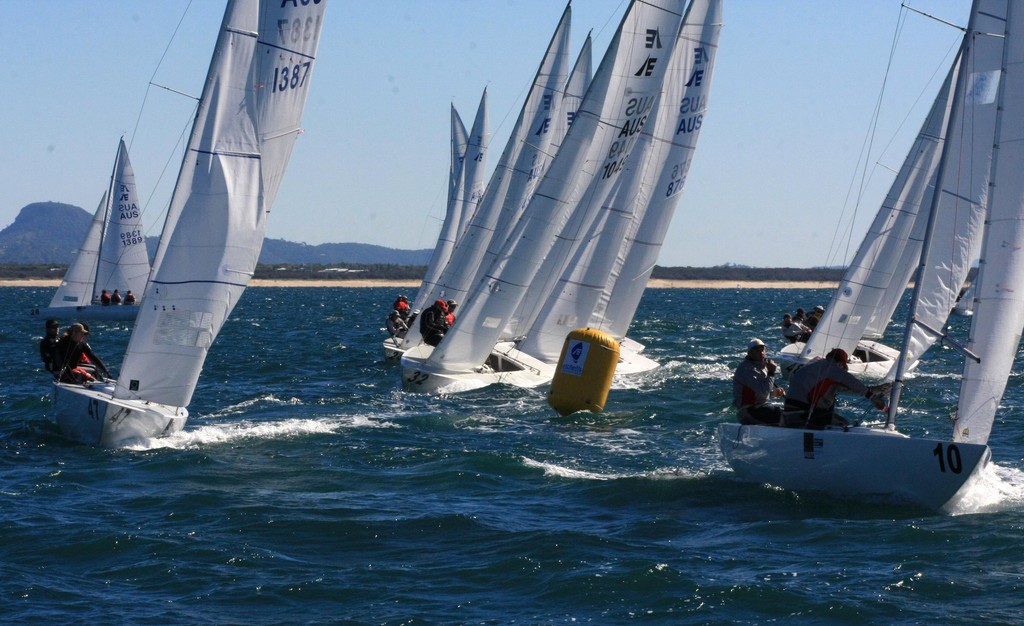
column 245, row 128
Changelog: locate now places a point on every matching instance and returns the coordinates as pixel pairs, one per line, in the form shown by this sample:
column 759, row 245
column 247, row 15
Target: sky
column 778, row 179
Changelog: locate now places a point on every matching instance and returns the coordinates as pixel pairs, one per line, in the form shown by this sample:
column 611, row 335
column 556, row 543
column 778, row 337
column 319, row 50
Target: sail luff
column 475, row 166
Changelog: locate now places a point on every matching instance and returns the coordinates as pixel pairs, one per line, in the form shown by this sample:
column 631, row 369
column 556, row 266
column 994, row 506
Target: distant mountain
column 51, row 232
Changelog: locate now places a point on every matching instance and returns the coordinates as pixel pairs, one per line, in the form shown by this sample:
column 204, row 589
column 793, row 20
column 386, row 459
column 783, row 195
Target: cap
column 837, row 355
column 441, row 304
column 393, row 314
column 819, row 308
column 452, row 303
column 754, row 343
column 77, row 328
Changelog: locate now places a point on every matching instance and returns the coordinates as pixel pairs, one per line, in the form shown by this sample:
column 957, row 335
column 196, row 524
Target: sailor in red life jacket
column 402, row 306
column 434, row 322
column 753, row 384
column 450, row 317
column 811, row 399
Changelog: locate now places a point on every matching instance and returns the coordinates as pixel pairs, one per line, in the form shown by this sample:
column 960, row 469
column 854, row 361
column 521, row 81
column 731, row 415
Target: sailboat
column 879, row 462
column 453, row 213
column 871, row 289
column 245, row 128
column 113, row 255
column 649, row 191
column 583, row 173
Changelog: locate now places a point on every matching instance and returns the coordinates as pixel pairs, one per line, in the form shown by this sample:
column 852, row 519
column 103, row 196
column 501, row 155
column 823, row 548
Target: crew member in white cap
column 753, row 384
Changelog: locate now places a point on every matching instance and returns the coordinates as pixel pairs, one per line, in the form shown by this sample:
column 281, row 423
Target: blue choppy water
column 308, row 488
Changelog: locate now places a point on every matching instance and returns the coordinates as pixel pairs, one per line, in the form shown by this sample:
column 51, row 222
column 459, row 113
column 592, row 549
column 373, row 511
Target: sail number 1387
column 286, row 77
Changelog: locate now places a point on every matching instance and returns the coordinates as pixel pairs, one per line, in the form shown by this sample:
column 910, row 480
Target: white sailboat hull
column 91, row 415
column 88, row 312
column 630, row 359
column 505, row 365
column 870, row 360
column 393, row 350
column 860, row 463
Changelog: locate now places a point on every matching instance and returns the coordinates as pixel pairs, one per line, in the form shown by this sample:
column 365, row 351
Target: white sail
column 453, row 214
column 965, row 183
column 577, row 85
column 639, row 252
column 522, row 164
column 460, row 142
column 571, row 98
column 244, row 131
column 113, row 255
column 653, row 182
column 76, row 288
column 596, row 147
column 999, row 303
column 870, row 290
column 474, row 166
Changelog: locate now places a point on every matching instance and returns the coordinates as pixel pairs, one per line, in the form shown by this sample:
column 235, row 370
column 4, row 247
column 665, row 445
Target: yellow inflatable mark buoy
column 584, row 372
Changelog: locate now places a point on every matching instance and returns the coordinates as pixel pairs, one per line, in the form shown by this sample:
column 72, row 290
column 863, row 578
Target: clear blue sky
column 795, row 86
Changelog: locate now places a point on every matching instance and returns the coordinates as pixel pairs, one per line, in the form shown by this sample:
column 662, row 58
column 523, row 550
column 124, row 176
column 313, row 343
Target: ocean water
column 308, row 488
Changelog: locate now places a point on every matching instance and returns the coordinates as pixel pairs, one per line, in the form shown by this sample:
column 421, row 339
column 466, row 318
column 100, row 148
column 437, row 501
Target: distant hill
column 51, row 232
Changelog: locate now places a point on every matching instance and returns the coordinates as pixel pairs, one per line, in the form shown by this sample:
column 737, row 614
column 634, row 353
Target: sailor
column 450, row 318
column 115, row 298
column 402, row 306
column 794, row 331
column 396, row 325
column 48, row 344
column 434, row 322
column 129, row 297
column 105, row 298
column 811, row 399
column 753, row 383
column 814, row 317
column 74, row 361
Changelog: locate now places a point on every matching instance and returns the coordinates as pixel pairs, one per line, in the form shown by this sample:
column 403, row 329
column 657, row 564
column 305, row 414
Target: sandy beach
column 654, row 283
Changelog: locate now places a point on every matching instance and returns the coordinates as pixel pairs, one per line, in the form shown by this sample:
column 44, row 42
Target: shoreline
column 654, row 283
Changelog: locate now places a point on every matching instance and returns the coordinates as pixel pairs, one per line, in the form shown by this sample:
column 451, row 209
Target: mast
column 106, row 215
